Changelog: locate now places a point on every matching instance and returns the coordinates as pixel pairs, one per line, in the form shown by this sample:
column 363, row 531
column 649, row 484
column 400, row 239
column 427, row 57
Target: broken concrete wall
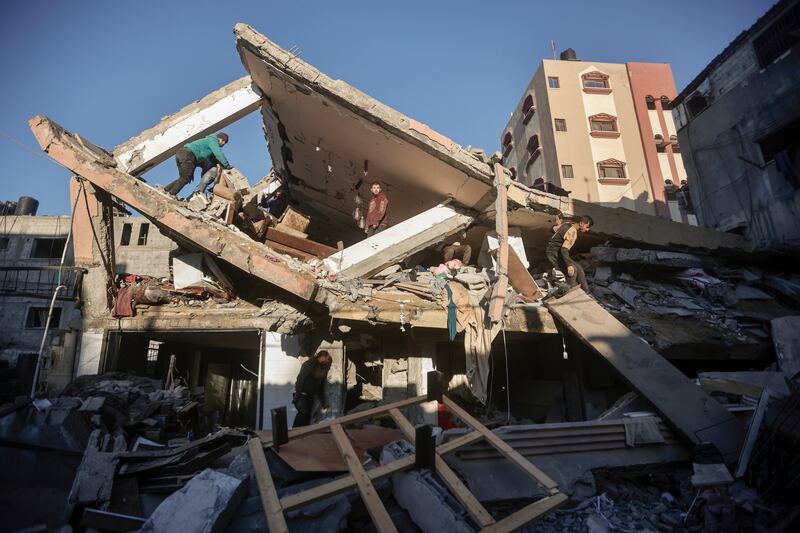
column 213, row 112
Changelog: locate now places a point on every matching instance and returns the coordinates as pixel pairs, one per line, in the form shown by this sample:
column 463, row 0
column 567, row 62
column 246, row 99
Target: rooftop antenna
column 553, row 48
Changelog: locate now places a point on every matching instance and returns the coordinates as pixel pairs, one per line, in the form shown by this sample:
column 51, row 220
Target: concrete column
column 281, row 364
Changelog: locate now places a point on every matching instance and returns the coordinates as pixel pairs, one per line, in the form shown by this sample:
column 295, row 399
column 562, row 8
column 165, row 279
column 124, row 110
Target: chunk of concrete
column 786, row 336
column 425, row 499
column 204, row 505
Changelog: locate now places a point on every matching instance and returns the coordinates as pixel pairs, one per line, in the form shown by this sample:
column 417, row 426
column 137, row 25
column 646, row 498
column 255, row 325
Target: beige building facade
column 603, row 132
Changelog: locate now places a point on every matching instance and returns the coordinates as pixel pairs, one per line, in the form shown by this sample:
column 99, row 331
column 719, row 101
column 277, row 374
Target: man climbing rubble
column 193, row 155
column 562, row 241
column 310, row 384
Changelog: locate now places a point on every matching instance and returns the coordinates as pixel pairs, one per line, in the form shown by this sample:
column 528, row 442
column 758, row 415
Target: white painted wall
column 652, row 114
column 663, row 162
column 90, row 353
column 681, row 168
column 281, row 363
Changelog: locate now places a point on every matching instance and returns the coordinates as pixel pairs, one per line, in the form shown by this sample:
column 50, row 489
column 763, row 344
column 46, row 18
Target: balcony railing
column 41, row 281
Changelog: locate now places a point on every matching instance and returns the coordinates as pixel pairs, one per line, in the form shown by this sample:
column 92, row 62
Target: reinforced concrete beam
column 207, row 115
column 98, row 166
column 398, row 242
column 682, row 404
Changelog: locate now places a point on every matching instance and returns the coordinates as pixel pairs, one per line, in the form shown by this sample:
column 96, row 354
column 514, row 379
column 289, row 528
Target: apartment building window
column 533, row 147
column 508, row 143
column 153, row 348
column 611, row 171
column 596, row 83
column 651, row 102
column 779, row 37
column 37, row 317
column 4, row 243
column 665, row 103
column 144, row 230
column 528, row 109
column 127, row 229
column 566, row 172
column 561, row 124
column 552, row 82
column 48, row 248
column 603, row 125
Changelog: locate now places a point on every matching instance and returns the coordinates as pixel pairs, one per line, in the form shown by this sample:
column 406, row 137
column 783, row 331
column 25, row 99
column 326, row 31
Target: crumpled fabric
column 123, row 305
column 478, row 339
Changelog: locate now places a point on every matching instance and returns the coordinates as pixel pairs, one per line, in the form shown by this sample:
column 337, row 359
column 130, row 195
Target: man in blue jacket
column 193, row 154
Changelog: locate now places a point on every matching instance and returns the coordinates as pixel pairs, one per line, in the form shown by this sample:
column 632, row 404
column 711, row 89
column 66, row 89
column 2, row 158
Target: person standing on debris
column 192, row 155
column 310, row 384
column 557, row 251
column 210, row 168
column 376, row 215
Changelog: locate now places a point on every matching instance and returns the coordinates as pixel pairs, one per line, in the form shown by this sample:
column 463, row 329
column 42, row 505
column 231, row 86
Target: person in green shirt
column 193, row 154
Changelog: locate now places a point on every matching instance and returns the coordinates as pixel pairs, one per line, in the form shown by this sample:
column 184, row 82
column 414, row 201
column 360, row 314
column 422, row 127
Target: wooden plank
column 501, row 446
column 498, row 297
column 450, row 478
column 304, row 245
column 380, row 516
column 521, row 279
column 288, row 250
column 681, row 403
column 266, row 488
column 527, row 514
column 266, row 436
column 343, row 484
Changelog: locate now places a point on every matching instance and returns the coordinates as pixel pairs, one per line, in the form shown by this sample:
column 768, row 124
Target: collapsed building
column 235, row 300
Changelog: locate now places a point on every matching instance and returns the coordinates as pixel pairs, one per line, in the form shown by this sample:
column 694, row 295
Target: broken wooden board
column 219, row 241
column 520, row 279
column 304, row 245
column 682, row 404
column 318, row 452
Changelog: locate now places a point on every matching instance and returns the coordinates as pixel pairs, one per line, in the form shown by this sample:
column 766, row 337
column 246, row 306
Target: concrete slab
column 204, row 505
column 682, row 404
column 216, row 239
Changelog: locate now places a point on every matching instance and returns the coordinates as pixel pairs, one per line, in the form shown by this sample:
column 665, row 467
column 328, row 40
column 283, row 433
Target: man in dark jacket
column 558, row 248
column 310, row 384
column 192, row 155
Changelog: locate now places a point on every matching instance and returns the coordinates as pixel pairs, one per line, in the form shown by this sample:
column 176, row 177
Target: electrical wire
column 508, row 385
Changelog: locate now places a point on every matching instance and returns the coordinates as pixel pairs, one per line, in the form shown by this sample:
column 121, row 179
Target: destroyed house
column 240, row 298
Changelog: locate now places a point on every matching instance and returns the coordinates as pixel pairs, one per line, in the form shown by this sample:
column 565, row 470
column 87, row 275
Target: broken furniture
column 275, row 507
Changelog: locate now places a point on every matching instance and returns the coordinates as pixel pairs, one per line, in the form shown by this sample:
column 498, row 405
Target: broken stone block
column 204, row 505
column 786, row 336
column 426, row 500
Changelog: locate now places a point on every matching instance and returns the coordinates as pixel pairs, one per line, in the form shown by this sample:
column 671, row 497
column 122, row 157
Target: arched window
column 596, row 82
column 665, row 103
column 528, row 109
column 651, row 102
column 611, row 171
column 533, row 147
column 508, row 143
column 603, row 125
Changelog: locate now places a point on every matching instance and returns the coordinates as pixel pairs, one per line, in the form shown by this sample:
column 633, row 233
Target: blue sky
column 110, row 69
